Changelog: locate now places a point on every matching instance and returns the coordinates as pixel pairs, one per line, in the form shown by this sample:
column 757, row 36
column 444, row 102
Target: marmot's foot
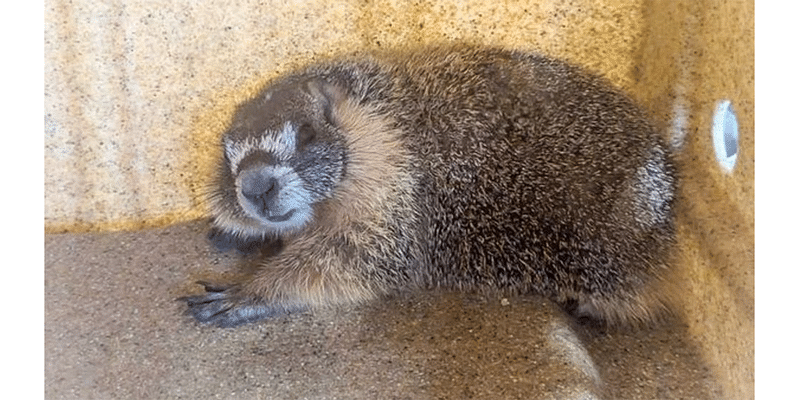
column 224, row 306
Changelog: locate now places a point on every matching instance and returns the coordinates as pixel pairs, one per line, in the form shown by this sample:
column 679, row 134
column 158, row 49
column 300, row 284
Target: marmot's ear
column 328, row 95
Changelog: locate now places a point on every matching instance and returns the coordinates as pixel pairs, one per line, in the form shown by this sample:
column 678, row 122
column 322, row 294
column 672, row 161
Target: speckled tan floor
column 114, row 330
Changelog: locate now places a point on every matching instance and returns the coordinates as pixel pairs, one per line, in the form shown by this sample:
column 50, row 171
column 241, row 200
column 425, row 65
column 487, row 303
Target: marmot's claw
column 213, row 287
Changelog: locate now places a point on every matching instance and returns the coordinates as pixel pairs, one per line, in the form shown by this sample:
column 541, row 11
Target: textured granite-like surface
column 114, row 330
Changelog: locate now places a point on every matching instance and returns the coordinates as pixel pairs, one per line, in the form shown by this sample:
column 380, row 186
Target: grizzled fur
column 461, row 168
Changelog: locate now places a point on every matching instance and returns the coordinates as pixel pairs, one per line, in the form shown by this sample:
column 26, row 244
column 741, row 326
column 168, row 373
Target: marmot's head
column 282, row 154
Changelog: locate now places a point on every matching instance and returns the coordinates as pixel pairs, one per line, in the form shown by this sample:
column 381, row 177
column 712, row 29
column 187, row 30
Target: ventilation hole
column 726, row 135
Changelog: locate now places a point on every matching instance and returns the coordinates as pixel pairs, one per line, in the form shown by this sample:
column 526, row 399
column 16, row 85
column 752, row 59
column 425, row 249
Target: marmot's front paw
column 226, row 307
column 225, row 241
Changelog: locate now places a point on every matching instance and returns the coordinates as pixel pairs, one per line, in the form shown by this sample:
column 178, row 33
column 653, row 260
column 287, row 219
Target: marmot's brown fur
column 462, row 168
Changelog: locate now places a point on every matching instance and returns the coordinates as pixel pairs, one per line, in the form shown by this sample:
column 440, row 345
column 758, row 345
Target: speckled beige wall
column 695, row 54
column 136, row 93
column 717, row 231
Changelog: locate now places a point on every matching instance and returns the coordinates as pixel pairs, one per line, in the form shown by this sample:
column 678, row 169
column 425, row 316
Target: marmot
column 466, row 168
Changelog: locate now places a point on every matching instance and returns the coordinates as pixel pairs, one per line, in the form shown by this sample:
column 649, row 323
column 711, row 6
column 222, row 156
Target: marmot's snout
column 268, row 190
column 259, row 187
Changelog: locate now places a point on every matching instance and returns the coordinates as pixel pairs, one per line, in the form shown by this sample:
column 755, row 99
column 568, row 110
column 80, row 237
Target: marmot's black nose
column 259, row 188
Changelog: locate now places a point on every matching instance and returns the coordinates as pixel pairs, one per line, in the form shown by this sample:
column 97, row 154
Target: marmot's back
column 462, row 168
